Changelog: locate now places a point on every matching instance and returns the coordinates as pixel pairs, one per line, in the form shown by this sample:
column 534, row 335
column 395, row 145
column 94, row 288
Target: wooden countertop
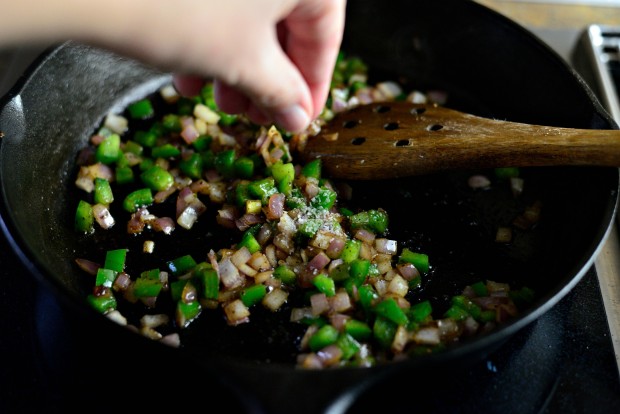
column 554, row 15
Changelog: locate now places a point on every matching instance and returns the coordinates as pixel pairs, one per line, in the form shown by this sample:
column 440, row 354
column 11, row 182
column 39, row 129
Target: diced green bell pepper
column 358, row 329
column 103, row 192
column 389, row 309
column 141, row 109
column 109, row 149
column 192, row 165
column 285, row 274
column 84, row 217
column 165, row 151
column 181, row 265
column 102, row 303
column 187, row 312
column 324, row 284
column 253, row 294
column 383, row 331
column 419, row 260
column 115, row 259
column 138, row 198
column 157, row 178
column 326, row 335
column 105, row 277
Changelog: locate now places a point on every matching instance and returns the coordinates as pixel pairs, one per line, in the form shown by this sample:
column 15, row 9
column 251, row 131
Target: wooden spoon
column 398, row 139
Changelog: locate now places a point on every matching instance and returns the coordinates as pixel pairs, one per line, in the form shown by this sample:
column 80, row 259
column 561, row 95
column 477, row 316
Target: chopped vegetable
column 264, row 233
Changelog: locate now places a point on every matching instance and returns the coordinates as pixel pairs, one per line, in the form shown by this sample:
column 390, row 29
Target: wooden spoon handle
column 397, row 139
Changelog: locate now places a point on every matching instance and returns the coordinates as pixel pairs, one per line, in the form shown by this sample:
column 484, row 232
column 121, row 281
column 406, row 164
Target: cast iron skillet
column 489, row 66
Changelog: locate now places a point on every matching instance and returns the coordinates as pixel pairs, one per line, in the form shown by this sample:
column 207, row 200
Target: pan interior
column 487, row 66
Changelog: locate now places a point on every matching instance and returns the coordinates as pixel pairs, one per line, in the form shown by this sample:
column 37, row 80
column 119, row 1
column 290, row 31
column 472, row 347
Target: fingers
column 315, row 31
column 188, row 85
column 278, row 69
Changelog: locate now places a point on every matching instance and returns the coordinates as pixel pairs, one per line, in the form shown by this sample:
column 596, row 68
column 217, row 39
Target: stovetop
column 562, row 362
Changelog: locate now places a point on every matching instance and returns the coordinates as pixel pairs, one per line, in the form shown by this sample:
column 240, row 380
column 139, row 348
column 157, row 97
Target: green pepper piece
column 326, row 335
column 253, row 294
column 249, row 241
column 103, row 303
column 504, row 173
column 348, row 345
column 203, row 143
column 147, row 287
column 466, row 304
column 340, row 272
column 367, row 296
column 358, row 329
column 420, row 312
column 171, row 122
column 224, row 163
column 208, row 159
column 419, row 260
column 351, row 250
column 360, row 269
column 378, row 220
column 192, row 165
column 187, row 312
column 124, row 175
column 389, row 309
column 285, row 274
column 115, row 259
column 133, row 147
column 176, row 289
column 310, row 227
column 480, row 288
column 227, row 119
column 105, row 277
column 488, row 315
column 283, row 174
column 103, row 192
column 141, row 109
column 521, row 296
column 243, row 167
column 324, row 284
column 209, row 281
column 84, row 217
column 138, row 198
column 181, row 265
column 262, row 189
column 295, row 199
column 109, row 149
column 165, row 151
column 146, row 163
column 372, row 220
column 457, row 313
column 145, row 138
column 324, row 199
column 312, row 169
column 150, row 274
column 383, row 331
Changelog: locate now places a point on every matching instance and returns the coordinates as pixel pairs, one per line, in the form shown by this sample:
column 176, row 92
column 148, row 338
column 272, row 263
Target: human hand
column 270, row 59
column 274, row 63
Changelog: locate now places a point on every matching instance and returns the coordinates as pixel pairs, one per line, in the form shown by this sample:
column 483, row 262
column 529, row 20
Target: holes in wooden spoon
column 402, row 143
column 434, row 127
column 381, row 109
column 351, row 124
column 417, row 111
column 390, row 126
column 358, row 141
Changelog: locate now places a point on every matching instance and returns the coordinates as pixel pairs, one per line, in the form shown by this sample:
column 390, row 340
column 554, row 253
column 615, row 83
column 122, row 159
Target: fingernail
column 293, row 119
